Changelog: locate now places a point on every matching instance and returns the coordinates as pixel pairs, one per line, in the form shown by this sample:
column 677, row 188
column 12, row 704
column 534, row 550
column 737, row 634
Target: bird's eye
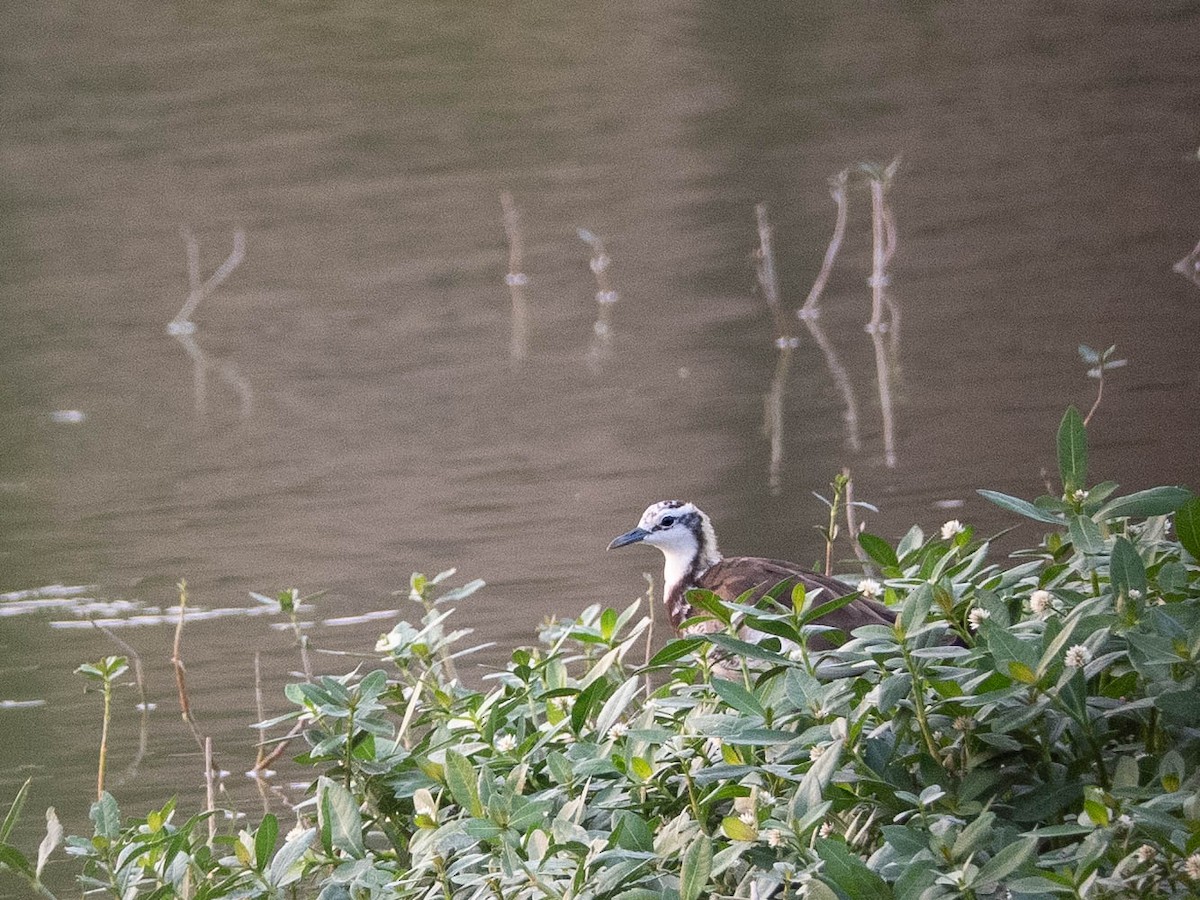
column 667, row 522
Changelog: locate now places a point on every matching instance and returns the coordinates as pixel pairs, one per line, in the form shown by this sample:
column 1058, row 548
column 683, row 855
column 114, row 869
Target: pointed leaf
column 616, row 704
column 1125, row 568
column 463, row 783
column 1021, row 507
column 106, row 816
column 848, row 872
column 697, row 866
column 264, row 841
column 339, row 819
column 14, row 811
column 707, row 601
column 878, row 549
column 1187, row 526
column 1072, row 451
column 1158, row 501
column 1007, row 860
column 1086, row 536
column 738, row 697
column 676, row 649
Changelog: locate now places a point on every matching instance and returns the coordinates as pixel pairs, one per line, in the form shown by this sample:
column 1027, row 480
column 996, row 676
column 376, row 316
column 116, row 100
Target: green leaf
column 676, row 649
column 288, row 864
column 264, row 841
column 1007, row 649
column 339, row 819
column 106, row 816
column 707, row 601
column 616, row 704
column 14, row 859
column 1086, row 536
column 14, row 811
column 1020, row 507
column 1125, row 569
column 735, row 647
column 812, row 786
column 1158, row 501
column 738, row 697
column 463, row 783
column 737, row 830
column 1007, row 860
column 608, row 623
column 697, row 866
column 1072, row 451
column 879, row 550
column 1187, row 526
column 845, row 870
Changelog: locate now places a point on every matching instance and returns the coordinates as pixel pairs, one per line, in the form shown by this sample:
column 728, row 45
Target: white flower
column 869, row 587
column 1135, row 594
column 1039, row 601
column 1145, row 853
column 619, row 730
column 749, row 818
column 976, row 616
column 1078, row 656
column 1080, row 495
column 297, row 830
column 826, row 829
column 815, row 751
column 774, row 837
column 951, row 528
column 505, row 743
column 1192, row 867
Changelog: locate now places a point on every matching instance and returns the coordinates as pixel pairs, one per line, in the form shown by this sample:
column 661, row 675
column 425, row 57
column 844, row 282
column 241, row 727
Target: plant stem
column 104, row 738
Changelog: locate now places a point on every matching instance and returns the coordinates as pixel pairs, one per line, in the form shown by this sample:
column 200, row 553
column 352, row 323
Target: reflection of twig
column 606, row 296
column 785, row 343
column 881, row 249
column 837, row 190
column 515, row 279
column 144, row 728
column 182, row 327
column 197, row 291
column 768, row 278
column 840, row 377
column 1189, row 266
column 773, row 417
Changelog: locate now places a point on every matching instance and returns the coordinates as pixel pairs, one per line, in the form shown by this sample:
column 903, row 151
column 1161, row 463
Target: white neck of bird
column 681, row 564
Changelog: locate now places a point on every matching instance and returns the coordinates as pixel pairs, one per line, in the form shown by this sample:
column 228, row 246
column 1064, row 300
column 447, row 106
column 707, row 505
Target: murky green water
column 350, row 408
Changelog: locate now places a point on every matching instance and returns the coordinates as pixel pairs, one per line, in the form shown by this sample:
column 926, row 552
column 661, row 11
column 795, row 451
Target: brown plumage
column 686, row 538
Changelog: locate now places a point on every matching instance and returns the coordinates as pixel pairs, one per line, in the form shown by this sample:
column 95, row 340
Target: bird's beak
column 629, row 537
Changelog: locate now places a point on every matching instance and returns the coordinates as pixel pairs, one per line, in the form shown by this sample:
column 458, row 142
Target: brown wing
column 732, row 577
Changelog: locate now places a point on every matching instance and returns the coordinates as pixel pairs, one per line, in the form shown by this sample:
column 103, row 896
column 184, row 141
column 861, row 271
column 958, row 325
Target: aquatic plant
column 1052, row 750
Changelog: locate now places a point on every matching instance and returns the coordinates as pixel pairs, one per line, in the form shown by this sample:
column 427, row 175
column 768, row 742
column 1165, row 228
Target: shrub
column 1051, row 749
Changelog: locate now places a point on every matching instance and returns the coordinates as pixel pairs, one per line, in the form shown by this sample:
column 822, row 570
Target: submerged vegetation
column 1053, row 749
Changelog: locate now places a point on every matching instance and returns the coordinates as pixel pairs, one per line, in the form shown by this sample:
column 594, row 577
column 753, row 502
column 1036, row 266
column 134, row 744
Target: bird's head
column 678, row 529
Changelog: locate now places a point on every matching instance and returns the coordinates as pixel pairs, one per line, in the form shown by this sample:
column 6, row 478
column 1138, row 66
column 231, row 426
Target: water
column 359, row 412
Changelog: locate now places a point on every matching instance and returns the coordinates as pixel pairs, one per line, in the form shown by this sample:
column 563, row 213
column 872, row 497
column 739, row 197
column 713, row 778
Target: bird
column 685, row 535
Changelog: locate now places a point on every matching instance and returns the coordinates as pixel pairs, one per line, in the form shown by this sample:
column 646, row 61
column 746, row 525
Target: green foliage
column 1028, row 728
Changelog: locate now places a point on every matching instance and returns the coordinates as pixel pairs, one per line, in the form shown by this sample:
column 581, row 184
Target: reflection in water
column 809, row 312
column 183, row 329
column 606, row 297
column 885, row 317
column 1189, row 266
column 883, row 246
column 515, row 279
column 785, row 343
